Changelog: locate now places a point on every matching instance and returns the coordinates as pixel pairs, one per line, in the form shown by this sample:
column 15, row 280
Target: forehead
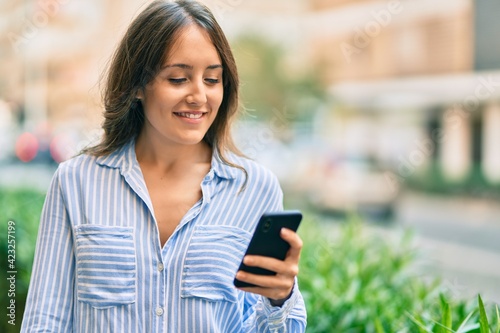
column 193, row 44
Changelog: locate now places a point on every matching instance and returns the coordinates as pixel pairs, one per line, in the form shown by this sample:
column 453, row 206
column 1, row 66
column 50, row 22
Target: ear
column 140, row 94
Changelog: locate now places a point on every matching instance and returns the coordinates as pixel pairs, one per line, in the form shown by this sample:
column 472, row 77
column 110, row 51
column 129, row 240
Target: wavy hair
column 137, row 61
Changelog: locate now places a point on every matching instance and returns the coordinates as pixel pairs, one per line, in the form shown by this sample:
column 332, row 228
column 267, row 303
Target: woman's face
column 182, row 101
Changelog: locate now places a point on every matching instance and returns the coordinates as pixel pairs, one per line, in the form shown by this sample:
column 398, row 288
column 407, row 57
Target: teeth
column 190, row 115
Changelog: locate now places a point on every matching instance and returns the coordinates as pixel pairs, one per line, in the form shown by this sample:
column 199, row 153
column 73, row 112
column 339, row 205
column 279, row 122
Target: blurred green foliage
column 23, row 207
column 272, row 85
column 357, row 281
column 475, row 321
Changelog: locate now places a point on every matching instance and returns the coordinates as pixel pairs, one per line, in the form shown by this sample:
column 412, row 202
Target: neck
column 166, row 157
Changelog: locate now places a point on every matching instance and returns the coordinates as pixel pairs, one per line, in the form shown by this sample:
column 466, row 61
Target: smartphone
column 266, row 240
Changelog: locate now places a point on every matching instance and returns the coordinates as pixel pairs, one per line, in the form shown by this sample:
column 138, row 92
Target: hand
column 275, row 287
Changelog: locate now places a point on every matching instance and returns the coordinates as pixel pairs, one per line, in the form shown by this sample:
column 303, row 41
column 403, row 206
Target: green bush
column 475, row 321
column 23, row 207
column 357, row 281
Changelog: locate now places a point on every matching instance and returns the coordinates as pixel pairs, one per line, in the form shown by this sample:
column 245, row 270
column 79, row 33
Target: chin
column 190, row 140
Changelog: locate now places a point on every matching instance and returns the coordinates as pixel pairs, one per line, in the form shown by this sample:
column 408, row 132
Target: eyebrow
column 184, row 66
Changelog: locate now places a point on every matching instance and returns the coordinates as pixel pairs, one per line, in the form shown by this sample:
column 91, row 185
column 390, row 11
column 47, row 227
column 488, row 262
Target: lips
column 190, row 115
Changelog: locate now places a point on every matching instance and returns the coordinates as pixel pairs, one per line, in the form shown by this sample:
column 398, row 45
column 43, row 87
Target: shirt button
column 159, row 311
column 160, row 267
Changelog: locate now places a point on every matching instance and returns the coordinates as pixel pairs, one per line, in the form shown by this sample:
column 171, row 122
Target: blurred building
column 414, row 82
column 52, row 55
column 417, row 79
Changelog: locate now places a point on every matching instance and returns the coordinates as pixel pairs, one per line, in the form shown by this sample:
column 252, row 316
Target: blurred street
column 475, row 224
column 461, row 245
column 21, row 175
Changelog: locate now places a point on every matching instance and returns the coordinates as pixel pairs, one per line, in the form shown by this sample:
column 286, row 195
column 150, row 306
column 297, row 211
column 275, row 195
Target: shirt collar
column 221, row 169
column 124, row 158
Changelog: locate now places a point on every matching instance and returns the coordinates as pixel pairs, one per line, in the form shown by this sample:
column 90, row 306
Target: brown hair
column 139, row 58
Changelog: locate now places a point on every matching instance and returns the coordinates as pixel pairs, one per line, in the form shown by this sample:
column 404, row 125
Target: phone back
column 267, row 241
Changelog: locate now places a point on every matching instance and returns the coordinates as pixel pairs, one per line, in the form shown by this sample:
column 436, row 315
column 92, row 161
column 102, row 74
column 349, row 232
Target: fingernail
column 247, row 260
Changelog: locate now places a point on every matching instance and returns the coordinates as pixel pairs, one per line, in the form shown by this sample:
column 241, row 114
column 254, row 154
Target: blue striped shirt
column 99, row 265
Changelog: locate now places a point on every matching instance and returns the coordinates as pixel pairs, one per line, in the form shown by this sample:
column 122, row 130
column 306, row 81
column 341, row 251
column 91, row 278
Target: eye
column 177, row 80
column 212, row 81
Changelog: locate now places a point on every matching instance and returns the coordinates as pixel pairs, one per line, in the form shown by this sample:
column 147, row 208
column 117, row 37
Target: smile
column 190, row 115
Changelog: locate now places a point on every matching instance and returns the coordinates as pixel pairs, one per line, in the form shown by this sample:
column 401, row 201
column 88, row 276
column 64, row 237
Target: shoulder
column 90, row 165
column 259, row 189
column 76, row 164
column 71, row 172
column 258, row 176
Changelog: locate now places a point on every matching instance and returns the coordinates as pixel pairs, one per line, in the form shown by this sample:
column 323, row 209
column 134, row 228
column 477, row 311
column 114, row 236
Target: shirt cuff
column 277, row 314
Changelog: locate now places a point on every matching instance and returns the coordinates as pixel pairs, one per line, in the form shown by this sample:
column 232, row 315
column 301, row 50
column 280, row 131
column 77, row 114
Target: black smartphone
column 266, row 240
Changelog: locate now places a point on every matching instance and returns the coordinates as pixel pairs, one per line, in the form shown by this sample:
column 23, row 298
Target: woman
column 129, row 241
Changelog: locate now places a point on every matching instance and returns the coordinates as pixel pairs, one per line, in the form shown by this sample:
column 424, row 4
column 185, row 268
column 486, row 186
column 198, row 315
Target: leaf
column 469, row 328
column 463, row 328
column 446, row 320
column 378, row 326
column 418, row 323
column 483, row 319
column 498, row 320
column 444, row 329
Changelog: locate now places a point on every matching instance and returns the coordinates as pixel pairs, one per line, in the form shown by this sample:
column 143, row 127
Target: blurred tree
column 273, row 88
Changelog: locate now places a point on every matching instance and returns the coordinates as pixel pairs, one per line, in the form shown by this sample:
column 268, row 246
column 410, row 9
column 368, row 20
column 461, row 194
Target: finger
column 272, row 264
column 295, row 243
column 266, row 292
column 267, row 281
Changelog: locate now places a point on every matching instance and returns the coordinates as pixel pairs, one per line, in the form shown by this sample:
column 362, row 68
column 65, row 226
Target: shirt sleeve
column 262, row 317
column 49, row 305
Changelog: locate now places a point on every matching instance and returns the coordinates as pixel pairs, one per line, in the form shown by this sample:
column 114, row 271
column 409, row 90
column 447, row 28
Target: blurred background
column 388, row 111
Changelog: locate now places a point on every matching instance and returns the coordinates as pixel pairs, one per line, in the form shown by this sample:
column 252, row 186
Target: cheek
column 217, row 98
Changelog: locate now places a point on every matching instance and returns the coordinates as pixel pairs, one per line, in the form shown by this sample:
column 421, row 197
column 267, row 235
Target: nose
column 197, row 94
